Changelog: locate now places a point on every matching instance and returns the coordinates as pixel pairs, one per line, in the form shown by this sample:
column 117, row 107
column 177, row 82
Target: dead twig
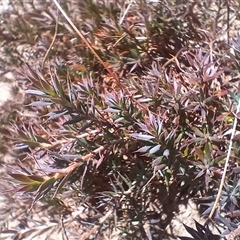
column 53, row 40
column 226, row 164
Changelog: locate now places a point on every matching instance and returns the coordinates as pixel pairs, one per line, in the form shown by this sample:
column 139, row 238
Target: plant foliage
column 119, row 133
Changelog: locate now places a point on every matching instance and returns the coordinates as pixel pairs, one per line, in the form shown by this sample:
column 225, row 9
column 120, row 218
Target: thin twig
column 226, row 163
column 146, row 184
column 228, row 20
column 174, row 58
column 63, row 228
column 53, row 40
column 125, row 13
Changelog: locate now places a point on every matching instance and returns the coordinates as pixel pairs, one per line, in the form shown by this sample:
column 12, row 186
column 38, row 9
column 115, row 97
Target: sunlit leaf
column 143, row 149
column 56, row 114
column 154, row 149
column 198, row 132
column 143, row 137
column 35, row 92
column 40, row 104
column 44, row 188
column 62, row 182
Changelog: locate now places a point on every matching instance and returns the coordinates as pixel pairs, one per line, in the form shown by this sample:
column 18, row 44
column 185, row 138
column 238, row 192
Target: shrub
column 135, row 122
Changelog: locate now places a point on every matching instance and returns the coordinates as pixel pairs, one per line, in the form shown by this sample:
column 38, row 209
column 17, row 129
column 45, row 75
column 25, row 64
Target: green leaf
column 31, row 144
column 62, row 183
column 198, row 132
column 28, row 188
column 44, row 188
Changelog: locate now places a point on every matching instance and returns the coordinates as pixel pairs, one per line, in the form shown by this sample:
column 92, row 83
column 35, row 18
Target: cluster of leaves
column 133, row 125
column 202, row 232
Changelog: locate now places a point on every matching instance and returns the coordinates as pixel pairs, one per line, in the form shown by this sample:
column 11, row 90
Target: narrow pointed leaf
column 21, row 177
column 143, row 149
column 143, row 137
column 155, row 149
